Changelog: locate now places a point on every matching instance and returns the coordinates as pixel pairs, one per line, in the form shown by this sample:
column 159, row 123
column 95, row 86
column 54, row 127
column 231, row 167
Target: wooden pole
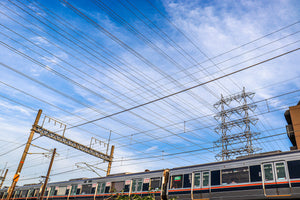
column 48, row 174
column 110, row 160
column 3, row 178
column 19, row 169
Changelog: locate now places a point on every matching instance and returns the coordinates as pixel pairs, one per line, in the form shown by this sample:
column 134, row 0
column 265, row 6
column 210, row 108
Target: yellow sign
column 16, row 177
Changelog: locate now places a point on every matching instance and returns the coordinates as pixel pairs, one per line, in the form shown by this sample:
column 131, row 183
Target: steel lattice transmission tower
column 235, row 126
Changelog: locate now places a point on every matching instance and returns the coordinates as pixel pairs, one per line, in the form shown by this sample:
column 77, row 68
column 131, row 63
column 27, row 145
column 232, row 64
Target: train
column 272, row 175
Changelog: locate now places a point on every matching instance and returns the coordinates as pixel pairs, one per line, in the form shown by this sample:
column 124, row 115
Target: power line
column 187, row 89
column 76, row 83
column 192, row 151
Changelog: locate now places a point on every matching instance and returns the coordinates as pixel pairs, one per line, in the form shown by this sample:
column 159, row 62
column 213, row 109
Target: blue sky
column 83, row 60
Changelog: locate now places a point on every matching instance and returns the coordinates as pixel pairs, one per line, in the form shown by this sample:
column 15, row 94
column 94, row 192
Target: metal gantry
column 60, row 138
column 64, row 140
column 237, row 117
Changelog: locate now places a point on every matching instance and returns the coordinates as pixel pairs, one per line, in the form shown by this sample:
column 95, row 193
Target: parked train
column 274, row 175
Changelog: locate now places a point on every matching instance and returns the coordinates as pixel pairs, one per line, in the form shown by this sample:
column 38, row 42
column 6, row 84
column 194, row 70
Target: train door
column 200, row 185
column 275, row 178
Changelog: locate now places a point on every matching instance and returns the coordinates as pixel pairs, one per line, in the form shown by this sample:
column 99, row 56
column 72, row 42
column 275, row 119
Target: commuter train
column 273, row 175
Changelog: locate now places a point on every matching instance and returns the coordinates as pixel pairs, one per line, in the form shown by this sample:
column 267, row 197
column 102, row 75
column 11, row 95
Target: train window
column 73, row 190
column 107, row 187
column 86, row 189
column 139, row 185
column 100, row 188
column 187, row 180
column 20, row 194
column 78, row 191
column 294, row 167
column 205, row 179
column 146, row 184
column 117, row 186
column 133, row 186
column 17, row 194
column 215, row 177
column 268, row 172
column 155, row 183
column 52, row 191
column 1, row 194
column 93, row 190
column 236, row 175
column 62, row 191
column 31, row 193
column 197, row 182
column 4, row 195
column 36, row 192
column 126, row 188
column 24, row 193
column 176, row 181
column 127, row 185
column 280, row 170
column 136, row 185
column 255, row 173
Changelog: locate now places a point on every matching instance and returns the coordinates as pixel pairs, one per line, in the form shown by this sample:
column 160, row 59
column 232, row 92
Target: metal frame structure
column 244, row 122
column 60, row 138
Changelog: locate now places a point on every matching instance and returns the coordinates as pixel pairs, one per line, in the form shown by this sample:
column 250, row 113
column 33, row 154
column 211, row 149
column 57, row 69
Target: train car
column 29, row 191
column 274, row 175
column 149, row 183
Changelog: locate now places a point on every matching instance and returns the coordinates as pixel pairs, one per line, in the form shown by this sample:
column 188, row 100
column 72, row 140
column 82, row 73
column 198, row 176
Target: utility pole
column 19, row 169
column 47, row 177
column 110, row 160
column 3, row 178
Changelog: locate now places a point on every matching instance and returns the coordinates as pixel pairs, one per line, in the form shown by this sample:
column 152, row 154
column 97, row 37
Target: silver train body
column 274, row 175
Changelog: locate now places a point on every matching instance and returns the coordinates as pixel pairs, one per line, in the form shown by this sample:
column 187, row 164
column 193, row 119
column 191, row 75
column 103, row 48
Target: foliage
column 133, row 197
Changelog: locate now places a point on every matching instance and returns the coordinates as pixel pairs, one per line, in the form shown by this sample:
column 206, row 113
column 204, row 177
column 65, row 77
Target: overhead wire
column 78, row 84
column 189, row 88
column 149, row 121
